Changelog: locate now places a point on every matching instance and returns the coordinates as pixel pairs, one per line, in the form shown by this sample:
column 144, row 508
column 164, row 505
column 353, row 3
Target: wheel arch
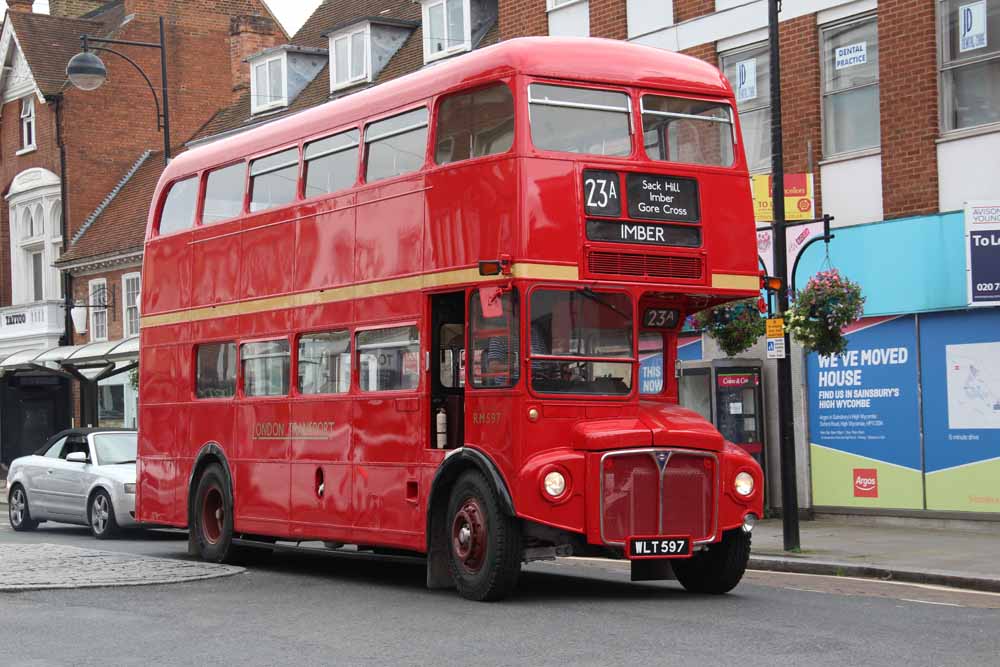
column 210, row 452
column 466, row 458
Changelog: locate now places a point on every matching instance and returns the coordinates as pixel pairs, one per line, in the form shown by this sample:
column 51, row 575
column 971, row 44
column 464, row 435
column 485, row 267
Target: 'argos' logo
column 866, row 483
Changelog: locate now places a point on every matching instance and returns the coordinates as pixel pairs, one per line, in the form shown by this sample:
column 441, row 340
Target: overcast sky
column 291, row 13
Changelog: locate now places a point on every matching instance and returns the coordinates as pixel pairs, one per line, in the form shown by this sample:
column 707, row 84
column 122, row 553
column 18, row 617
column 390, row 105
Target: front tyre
column 485, row 542
column 17, row 510
column 212, row 521
column 101, row 516
column 718, row 569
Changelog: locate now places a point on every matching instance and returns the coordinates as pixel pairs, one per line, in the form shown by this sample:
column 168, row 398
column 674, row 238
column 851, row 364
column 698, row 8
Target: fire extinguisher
column 441, row 421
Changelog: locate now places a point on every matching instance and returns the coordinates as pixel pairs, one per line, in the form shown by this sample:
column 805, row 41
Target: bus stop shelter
column 88, row 364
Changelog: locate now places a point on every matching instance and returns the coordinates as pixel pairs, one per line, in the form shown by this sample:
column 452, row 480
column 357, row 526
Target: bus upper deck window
column 224, row 193
column 690, row 131
column 332, row 163
column 475, row 124
column 580, row 120
column 178, row 210
column 396, row 145
column 274, row 180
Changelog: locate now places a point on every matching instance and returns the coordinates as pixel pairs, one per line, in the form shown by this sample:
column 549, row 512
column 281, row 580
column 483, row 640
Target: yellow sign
column 776, row 327
column 799, row 197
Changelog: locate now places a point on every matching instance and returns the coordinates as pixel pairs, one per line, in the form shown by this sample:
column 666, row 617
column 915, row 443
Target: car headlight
column 130, row 489
column 554, row 484
column 743, row 483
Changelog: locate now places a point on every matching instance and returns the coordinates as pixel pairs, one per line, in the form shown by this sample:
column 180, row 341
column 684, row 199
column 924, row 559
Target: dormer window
column 350, row 56
column 447, row 28
column 268, row 89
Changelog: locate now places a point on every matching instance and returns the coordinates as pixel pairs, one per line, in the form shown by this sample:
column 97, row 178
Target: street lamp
column 87, row 71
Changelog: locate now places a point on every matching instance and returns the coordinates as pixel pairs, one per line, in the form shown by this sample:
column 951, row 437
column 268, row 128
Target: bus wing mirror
column 490, row 302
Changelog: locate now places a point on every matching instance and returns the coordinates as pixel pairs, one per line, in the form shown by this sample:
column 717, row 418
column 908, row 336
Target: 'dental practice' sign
column 850, row 55
column 982, row 252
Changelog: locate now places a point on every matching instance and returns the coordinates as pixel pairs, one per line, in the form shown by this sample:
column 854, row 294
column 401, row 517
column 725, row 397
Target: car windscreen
column 115, row 448
column 581, row 342
column 580, row 120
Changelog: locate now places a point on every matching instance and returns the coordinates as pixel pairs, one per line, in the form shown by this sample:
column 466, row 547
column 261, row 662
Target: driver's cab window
column 495, row 342
column 651, row 375
column 55, row 449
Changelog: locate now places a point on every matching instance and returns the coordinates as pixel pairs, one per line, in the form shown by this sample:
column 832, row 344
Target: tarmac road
column 318, row 609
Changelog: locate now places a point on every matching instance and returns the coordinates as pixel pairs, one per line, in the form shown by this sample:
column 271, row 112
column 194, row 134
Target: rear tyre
column 101, row 516
column 720, row 568
column 212, row 515
column 484, row 541
column 17, row 510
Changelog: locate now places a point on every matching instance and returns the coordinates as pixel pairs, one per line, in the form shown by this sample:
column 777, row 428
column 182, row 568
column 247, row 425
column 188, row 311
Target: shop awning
column 94, row 361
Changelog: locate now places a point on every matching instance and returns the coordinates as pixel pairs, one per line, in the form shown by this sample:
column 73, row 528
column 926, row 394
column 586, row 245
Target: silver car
column 81, row 476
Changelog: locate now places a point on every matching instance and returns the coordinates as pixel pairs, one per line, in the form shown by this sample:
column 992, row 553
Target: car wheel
column 101, row 516
column 17, row 510
column 485, row 553
column 213, row 515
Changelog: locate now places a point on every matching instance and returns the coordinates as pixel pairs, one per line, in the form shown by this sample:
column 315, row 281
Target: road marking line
column 894, row 582
column 943, row 604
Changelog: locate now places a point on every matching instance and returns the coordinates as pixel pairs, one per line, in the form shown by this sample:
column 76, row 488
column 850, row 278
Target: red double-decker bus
column 440, row 316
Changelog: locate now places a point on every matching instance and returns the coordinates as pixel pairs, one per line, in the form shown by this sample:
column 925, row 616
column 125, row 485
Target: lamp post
column 87, row 71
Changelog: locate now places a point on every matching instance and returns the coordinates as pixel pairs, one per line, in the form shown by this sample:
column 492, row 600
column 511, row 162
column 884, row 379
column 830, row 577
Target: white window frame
column 257, row 105
column 824, row 29
column 349, row 34
column 127, row 332
column 764, row 103
column 945, row 67
column 466, row 43
column 559, row 4
column 98, row 286
column 29, row 126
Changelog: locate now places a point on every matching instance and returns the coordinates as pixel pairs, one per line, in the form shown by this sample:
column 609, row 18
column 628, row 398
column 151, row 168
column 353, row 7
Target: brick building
column 65, row 158
column 893, row 106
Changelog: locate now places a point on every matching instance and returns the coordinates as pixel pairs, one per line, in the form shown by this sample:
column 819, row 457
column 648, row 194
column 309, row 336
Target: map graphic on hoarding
column 973, row 386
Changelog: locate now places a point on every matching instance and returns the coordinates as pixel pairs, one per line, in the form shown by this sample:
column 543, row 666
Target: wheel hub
column 469, row 535
column 212, row 516
column 17, row 508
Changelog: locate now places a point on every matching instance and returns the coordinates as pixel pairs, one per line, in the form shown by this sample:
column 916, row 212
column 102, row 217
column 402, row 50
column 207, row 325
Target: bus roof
column 585, row 59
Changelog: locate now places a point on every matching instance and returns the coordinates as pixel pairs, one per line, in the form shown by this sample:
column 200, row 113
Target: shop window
column 324, row 363
column 224, row 193
column 274, row 180
column 332, row 163
column 970, row 63
column 111, row 405
column 850, row 87
column 178, row 210
column 265, row 368
column 389, row 359
column 215, row 376
column 749, row 73
column 396, row 145
column 475, row 124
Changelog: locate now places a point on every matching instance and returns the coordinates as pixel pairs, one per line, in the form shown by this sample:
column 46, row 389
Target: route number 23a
column 600, row 191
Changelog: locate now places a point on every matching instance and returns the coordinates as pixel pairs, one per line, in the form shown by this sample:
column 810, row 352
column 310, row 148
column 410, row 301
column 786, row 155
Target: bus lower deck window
column 215, row 376
column 265, row 368
column 580, row 120
column 389, row 359
column 324, row 363
column 689, row 131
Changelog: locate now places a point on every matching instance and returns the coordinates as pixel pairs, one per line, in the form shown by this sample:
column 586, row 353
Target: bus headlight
column 743, row 484
column 554, row 484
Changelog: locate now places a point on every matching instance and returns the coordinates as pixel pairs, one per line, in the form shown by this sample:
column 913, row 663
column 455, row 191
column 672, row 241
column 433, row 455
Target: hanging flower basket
column 828, row 303
column 735, row 326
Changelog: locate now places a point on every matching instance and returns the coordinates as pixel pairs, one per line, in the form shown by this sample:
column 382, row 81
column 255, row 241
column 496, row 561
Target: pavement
column 945, row 557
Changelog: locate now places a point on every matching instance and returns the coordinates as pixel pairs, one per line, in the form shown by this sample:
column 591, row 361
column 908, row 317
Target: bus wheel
column 213, row 515
column 485, row 543
column 718, row 569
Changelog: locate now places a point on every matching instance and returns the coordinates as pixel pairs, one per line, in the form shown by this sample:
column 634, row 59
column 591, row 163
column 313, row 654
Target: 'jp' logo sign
column 972, row 28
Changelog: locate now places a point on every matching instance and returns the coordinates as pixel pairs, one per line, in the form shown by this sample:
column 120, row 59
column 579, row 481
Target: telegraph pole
column 786, row 422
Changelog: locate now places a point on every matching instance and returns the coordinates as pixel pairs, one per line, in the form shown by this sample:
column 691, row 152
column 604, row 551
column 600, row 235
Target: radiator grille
column 638, row 500
column 649, row 266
